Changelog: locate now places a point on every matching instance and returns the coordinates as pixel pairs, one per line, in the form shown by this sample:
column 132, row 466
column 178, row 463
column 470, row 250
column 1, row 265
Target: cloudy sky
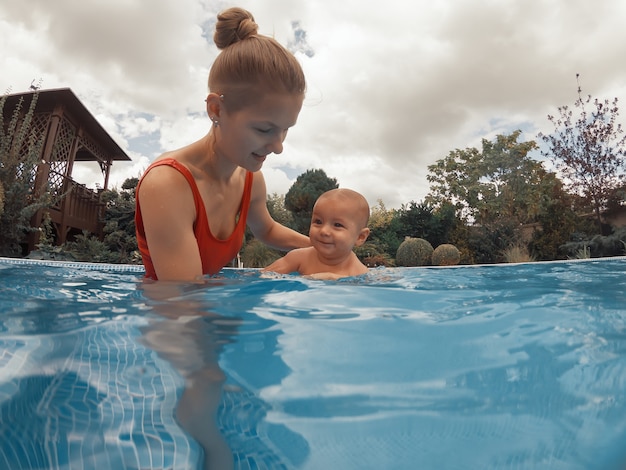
column 393, row 86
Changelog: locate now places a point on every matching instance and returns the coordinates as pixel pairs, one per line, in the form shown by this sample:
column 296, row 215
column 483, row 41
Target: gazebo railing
column 75, row 206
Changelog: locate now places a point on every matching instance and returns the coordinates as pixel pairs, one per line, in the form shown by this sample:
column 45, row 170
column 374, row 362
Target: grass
column 518, row 254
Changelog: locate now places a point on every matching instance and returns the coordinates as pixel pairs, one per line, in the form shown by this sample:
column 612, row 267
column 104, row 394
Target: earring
column 215, row 123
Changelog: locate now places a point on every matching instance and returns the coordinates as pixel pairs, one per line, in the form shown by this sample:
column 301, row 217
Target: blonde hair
column 250, row 62
column 361, row 209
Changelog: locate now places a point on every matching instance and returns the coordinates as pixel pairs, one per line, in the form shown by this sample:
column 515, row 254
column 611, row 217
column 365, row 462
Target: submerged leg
column 196, row 413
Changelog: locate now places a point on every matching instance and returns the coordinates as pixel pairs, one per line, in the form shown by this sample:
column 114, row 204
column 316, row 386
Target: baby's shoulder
column 302, row 252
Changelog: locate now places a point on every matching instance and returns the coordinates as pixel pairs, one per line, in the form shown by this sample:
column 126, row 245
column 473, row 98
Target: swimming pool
column 509, row 366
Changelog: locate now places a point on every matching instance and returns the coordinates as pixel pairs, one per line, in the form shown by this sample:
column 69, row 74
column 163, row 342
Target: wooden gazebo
column 70, row 134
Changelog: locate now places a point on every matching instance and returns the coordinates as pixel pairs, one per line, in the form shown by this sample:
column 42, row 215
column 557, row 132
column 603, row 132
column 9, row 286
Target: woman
column 193, row 203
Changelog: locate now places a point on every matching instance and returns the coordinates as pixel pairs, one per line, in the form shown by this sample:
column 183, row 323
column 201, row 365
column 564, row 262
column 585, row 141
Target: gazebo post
column 43, row 173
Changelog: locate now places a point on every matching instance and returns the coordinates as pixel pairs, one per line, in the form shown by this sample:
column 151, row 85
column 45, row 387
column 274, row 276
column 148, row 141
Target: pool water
column 504, row 367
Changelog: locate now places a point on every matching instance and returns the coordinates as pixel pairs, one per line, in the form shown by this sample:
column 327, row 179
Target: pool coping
column 138, row 268
column 135, row 268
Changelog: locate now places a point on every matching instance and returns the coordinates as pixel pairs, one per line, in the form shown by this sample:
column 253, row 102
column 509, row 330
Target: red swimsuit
column 215, row 253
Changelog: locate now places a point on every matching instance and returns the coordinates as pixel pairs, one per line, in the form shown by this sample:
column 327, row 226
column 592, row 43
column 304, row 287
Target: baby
column 338, row 224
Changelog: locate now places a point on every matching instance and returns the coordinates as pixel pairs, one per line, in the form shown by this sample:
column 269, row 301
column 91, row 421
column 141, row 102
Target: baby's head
column 251, row 65
column 359, row 208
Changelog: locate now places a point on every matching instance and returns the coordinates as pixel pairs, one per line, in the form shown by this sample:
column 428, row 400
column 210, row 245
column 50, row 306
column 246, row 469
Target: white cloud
column 122, row 171
column 392, row 87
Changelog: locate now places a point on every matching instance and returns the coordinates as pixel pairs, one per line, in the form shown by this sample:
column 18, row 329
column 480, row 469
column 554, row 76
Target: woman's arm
column 168, row 213
column 267, row 229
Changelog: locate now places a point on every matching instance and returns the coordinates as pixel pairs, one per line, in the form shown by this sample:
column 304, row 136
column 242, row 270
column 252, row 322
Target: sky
column 392, row 86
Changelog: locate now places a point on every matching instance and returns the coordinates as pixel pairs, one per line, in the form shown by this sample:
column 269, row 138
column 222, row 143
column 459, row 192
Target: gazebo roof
column 48, row 100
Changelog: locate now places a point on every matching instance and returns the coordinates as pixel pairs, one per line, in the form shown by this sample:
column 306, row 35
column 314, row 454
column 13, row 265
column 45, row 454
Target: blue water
column 503, row 367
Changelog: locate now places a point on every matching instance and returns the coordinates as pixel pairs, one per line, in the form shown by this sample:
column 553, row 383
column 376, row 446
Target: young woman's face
column 334, row 230
column 248, row 135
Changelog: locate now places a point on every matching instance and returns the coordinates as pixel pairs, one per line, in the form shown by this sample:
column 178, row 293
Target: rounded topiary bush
column 446, row 255
column 414, row 252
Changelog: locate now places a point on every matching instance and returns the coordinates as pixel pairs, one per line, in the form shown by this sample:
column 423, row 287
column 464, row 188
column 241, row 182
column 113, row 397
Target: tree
column 302, row 195
column 497, row 190
column 278, row 211
column 589, row 152
column 425, row 221
column 486, row 245
column 20, row 153
column 384, row 227
column 119, row 222
column 444, row 223
column 501, row 181
column 557, row 222
column 382, row 242
column 416, row 220
column 455, row 180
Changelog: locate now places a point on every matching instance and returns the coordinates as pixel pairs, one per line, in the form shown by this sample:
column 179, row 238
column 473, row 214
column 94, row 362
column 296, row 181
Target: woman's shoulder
column 164, row 166
column 165, row 172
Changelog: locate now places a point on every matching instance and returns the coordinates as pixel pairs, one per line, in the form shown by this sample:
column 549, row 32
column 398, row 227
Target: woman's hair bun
column 234, row 25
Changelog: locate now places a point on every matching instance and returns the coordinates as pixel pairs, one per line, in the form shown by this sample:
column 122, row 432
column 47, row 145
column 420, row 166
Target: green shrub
column 414, row 252
column 446, row 255
column 258, row 255
column 378, row 260
column 87, row 248
column 372, row 255
column 599, row 246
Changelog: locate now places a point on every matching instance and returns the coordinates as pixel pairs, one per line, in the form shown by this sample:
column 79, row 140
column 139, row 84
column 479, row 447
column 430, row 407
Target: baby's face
column 334, row 229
